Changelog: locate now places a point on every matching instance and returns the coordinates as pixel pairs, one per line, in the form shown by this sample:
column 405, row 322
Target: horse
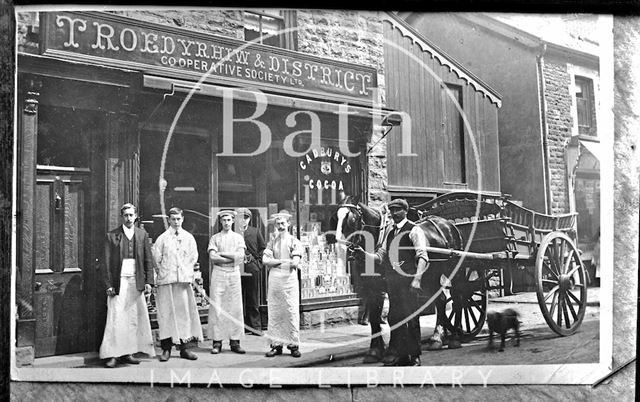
column 353, row 218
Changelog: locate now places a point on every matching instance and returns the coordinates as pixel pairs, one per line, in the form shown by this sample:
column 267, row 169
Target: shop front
column 118, row 110
column 584, row 178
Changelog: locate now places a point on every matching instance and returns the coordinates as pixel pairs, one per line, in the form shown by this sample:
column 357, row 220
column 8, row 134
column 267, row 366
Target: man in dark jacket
column 253, row 269
column 404, row 256
column 127, row 275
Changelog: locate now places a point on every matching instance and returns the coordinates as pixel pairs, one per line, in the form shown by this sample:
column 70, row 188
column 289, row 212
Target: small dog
column 500, row 323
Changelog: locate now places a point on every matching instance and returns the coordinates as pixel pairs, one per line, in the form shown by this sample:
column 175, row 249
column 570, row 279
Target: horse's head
column 344, row 221
column 353, row 217
column 414, row 214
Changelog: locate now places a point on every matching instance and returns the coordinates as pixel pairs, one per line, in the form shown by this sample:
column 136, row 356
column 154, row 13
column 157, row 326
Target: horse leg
column 440, row 304
column 456, row 336
column 437, row 339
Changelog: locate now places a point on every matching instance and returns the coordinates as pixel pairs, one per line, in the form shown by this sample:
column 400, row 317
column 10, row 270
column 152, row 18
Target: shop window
column 310, row 188
column 324, row 177
column 267, row 26
column 585, row 105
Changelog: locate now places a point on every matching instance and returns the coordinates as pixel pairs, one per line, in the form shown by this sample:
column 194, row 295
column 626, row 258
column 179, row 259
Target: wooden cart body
column 500, row 236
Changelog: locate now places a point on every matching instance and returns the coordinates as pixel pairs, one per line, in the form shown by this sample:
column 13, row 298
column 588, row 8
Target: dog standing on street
column 501, row 322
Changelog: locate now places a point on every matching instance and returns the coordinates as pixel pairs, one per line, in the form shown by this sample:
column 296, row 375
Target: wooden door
column 62, row 210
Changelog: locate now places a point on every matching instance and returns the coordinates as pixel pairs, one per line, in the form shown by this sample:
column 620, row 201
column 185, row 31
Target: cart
column 500, row 236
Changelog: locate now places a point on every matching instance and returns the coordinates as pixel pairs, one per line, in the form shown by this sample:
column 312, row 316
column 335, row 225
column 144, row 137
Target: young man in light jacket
column 176, row 254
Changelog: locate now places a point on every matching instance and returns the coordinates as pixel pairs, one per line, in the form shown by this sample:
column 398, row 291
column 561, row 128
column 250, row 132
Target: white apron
column 178, row 316
column 226, row 318
column 128, row 329
column 283, row 304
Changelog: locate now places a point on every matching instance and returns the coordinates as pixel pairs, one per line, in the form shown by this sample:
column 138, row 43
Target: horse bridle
column 356, row 210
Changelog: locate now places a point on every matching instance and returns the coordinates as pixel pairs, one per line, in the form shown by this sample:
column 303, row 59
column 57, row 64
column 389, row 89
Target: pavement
column 319, row 345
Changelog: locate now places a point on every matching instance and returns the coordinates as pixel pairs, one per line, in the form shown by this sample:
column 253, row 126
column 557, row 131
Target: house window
column 267, row 26
column 585, row 105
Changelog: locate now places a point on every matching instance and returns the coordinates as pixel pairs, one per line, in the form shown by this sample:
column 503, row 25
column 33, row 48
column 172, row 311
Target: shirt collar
column 128, row 232
column 400, row 224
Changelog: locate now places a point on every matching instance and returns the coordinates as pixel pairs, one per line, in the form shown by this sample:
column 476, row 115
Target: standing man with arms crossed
column 226, row 252
column 405, row 253
column 282, row 257
column 253, row 266
column 127, row 274
column 176, row 254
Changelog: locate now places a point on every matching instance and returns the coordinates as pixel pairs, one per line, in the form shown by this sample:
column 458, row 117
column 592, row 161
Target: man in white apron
column 281, row 257
column 226, row 252
column 176, row 254
column 127, row 274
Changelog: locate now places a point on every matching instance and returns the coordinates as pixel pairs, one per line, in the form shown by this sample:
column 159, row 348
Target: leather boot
column 275, row 350
column 128, row 359
column 217, row 347
column 295, row 352
column 187, row 354
column 235, row 347
column 166, row 355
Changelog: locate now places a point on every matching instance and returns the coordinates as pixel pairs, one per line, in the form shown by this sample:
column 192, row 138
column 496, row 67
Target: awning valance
column 206, row 89
column 593, row 147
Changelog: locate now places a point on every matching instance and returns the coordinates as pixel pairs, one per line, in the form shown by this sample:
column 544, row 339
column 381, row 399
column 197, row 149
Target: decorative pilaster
column 27, row 154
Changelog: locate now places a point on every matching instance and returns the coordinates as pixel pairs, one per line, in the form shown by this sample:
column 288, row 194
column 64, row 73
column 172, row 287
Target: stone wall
column 353, row 37
column 26, row 37
column 229, row 23
column 557, row 84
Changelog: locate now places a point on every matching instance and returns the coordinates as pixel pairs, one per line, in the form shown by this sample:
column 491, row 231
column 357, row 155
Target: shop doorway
column 69, row 225
column 61, row 210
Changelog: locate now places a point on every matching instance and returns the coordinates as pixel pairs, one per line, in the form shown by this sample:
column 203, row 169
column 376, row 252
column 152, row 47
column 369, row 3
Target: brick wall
column 558, row 97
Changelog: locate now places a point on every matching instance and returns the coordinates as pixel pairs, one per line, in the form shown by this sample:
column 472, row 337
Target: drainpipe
column 544, row 128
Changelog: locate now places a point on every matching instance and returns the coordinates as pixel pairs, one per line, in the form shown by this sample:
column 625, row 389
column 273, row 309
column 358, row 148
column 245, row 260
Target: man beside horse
column 404, row 256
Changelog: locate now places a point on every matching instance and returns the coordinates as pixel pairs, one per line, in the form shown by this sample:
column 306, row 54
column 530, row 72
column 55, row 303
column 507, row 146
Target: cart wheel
column 466, row 304
column 561, row 283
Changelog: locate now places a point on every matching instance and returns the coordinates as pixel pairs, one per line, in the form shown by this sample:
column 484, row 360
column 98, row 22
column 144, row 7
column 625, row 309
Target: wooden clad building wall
column 417, row 84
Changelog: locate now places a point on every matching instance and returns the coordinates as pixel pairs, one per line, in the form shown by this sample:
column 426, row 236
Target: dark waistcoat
column 406, row 252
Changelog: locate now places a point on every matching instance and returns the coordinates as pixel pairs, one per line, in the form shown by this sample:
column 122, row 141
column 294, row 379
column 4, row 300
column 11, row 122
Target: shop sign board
column 118, row 41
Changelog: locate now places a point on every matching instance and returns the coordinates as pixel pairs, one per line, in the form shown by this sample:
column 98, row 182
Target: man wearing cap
column 282, row 257
column 254, row 241
column 128, row 272
column 226, row 252
column 405, row 254
column 176, row 254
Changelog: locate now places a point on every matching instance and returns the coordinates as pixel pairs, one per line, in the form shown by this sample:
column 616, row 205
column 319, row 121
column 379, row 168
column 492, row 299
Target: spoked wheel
column 561, row 283
column 466, row 304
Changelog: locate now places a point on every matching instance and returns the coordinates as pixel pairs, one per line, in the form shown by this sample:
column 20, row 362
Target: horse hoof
column 368, row 359
column 373, row 356
column 454, row 344
column 437, row 345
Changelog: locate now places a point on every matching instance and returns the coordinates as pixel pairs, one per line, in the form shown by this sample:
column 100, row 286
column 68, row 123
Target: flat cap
column 244, row 212
column 398, row 203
